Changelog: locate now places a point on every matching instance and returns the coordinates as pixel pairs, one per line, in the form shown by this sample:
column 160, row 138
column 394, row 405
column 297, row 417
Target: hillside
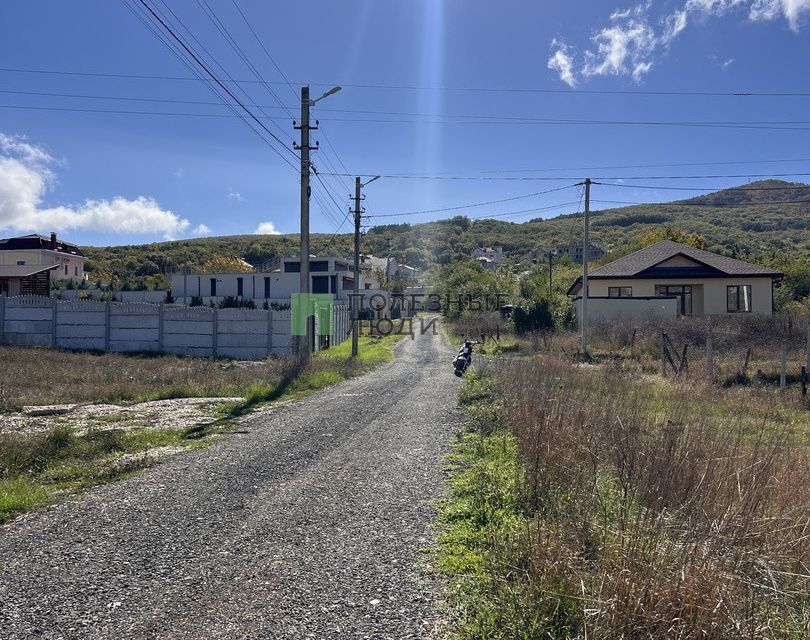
column 757, row 218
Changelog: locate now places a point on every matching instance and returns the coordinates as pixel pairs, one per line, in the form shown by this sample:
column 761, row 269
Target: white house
column 327, row 275
column 389, row 266
column 698, row 282
column 490, row 258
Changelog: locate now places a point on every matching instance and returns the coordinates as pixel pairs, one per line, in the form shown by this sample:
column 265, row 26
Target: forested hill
column 757, row 218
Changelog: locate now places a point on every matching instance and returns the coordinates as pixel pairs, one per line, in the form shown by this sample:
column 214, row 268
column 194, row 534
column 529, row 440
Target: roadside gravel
column 307, row 522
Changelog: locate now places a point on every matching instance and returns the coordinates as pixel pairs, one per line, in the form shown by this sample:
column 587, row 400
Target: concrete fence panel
column 142, row 327
column 28, row 321
column 134, row 326
column 243, row 334
column 81, row 325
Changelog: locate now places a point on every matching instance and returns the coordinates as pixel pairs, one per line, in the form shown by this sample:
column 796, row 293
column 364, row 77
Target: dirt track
column 308, row 522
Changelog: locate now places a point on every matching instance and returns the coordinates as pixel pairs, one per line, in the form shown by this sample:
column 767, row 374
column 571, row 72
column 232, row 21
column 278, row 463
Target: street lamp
column 331, row 91
column 304, row 345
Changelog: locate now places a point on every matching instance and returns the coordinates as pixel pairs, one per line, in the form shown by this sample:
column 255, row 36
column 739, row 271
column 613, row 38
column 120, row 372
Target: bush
column 233, row 302
column 196, row 301
column 537, row 317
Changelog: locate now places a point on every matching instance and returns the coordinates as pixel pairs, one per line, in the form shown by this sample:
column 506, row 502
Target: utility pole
column 585, row 243
column 356, row 302
column 358, row 185
column 305, row 341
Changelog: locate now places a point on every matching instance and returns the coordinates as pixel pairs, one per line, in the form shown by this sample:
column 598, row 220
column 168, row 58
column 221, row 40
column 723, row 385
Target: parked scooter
column 464, row 357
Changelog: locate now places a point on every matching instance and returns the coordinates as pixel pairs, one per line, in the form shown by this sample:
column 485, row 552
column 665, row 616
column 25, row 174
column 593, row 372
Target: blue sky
column 440, row 89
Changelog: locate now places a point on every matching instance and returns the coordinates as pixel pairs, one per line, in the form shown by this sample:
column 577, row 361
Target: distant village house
column 490, row 258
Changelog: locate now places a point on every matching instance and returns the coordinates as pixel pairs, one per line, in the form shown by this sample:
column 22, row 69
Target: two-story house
column 30, row 264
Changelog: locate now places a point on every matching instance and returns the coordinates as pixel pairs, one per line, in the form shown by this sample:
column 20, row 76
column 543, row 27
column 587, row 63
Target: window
column 267, row 287
column 240, row 286
column 320, row 284
column 620, row 292
column 738, row 298
column 213, row 287
column 319, row 265
column 66, row 269
column 683, row 292
column 75, row 271
column 292, row 267
column 20, row 263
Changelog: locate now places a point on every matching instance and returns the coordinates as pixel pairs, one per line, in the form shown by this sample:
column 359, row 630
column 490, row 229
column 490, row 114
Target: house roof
column 36, row 241
column 23, row 271
column 636, row 263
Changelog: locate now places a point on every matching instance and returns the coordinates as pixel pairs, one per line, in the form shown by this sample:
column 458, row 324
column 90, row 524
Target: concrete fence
column 244, row 334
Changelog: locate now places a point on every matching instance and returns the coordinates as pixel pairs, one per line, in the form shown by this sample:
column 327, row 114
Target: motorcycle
column 464, row 358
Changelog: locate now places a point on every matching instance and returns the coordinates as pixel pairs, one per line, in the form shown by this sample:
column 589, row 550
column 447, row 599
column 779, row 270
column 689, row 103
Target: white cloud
column 235, row 195
column 792, row 11
column 180, row 173
column 620, row 48
column 267, row 229
column 563, row 63
column 25, row 177
column 631, row 42
column 202, row 230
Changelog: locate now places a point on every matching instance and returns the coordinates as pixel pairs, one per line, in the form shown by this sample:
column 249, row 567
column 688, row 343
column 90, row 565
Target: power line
column 216, row 79
column 529, row 90
column 763, row 125
column 719, row 205
column 261, row 44
column 469, row 206
column 669, row 188
column 401, row 176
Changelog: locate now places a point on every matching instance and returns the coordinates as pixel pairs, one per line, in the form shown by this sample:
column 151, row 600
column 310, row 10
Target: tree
column 536, row 317
column 669, row 232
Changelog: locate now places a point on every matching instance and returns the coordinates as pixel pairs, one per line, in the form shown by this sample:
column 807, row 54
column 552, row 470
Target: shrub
column 537, row 317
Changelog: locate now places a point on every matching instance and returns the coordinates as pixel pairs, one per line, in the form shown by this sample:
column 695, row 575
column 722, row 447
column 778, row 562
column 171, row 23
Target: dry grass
column 33, row 376
column 651, row 511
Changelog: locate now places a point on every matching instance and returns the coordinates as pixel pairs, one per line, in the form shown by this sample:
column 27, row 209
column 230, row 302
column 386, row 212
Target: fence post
column 215, row 329
column 783, row 367
column 2, row 319
column 807, row 364
column 107, row 325
column 54, row 306
column 269, row 332
column 710, row 356
column 160, row 327
column 804, row 382
column 663, row 354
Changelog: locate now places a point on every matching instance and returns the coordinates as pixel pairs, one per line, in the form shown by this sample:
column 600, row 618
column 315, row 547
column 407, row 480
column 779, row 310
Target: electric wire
column 210, row 73
column 470, row 206
column 530, row 90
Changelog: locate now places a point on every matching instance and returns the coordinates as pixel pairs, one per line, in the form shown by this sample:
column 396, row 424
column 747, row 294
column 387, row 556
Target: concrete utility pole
column 585, row 243
column 356, row 301
column 305, row 342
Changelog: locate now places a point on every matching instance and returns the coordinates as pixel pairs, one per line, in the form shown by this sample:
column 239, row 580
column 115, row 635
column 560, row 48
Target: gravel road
column 309, row 522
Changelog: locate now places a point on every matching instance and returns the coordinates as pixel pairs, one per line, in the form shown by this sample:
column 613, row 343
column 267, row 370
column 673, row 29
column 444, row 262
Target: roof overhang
column 23, row 271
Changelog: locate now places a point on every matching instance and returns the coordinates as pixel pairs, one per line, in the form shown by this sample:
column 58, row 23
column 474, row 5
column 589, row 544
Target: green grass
column 35, row 467
column 482, row 532
column 21, row 494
